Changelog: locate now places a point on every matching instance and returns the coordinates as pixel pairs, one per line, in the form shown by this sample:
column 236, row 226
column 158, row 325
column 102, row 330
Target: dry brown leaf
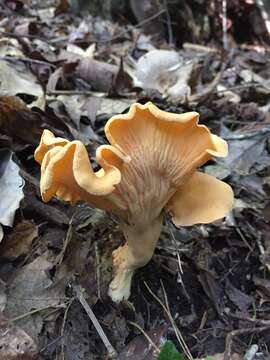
column 98, row 74
column 15, row 344
column 17, row 121
column 32, row 289
column 19, row 241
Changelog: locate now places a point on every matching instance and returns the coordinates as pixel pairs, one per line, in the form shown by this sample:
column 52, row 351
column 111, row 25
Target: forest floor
column 70, row 73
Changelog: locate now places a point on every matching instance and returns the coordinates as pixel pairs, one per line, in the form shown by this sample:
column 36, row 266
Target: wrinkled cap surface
column 150, row 165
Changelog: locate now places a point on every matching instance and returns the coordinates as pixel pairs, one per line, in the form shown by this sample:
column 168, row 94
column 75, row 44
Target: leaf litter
column 70, row 71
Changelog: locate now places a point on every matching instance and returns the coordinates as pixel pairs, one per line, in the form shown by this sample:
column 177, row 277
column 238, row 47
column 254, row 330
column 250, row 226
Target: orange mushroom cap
column 149, row 166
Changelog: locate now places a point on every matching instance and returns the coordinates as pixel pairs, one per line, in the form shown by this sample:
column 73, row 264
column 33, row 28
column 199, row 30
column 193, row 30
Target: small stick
column 244, row 239
column 50, row 344
column 232, row 334
column 169, row 22
column 27, row 60
column 17, row 318
column 197, row 47
column 72, row 92
column 98, row 270
column 224, row 25
column 176, row 330
column 264, row 14
column 63, row 327
column 112, row 352
column 250, row 354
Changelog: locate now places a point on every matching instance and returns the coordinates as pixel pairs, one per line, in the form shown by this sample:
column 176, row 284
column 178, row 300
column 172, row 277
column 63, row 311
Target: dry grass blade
column 111, row 351
column 178, row 334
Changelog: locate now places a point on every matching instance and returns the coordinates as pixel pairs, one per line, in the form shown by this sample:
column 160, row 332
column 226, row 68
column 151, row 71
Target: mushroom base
column 137, row 252
column 120, row 286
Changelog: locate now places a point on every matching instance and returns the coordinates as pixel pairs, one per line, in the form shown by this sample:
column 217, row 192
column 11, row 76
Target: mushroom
column 157, row 69
column 149, row 167
column 166, row 72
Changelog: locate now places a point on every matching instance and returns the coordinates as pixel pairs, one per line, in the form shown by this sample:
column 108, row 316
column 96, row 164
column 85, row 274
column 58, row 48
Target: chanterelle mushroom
column 150, row 166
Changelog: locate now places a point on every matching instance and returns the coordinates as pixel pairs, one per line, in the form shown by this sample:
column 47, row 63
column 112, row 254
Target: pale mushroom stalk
column 140, row 244
column 149, row 167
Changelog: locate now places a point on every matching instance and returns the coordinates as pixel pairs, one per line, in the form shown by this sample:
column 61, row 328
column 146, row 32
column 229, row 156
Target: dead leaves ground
column 56, row 72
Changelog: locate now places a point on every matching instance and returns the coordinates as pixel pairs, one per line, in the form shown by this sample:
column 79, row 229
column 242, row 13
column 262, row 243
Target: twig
column 243, row 86
column 29, row 313
column 264, row 14
column 27, row 60
column 112, row 352
column 50, row 344
column 146, row 336
column 258, row 322
column 244, row 239
column 169, row 22
column 97, row 270
column 71, row 92
column 176, row 330
column 197, row 47
column 232, row 334
column 262, row 131
column 180, row 272
column 250, row 354
column 142, row 23
column 19, row 36
column 224, row 25
column 63, row 327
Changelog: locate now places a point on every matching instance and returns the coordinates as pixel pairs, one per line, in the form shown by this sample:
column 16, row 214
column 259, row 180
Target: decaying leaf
column 11, row 188
column 18, row 121
column 16, row 80
column 245, row 149
column 9, row 47
column 19, row 241
column 140, row 348
column 98, row 74
column 240, row 299
column 15, row 344
column 30, row 289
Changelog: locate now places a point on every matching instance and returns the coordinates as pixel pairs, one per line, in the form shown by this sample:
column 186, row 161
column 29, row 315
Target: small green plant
column 169, row 352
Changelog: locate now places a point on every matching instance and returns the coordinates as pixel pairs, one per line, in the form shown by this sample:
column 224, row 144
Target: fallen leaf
column 11, row 189
column 113, row 106
column 140, row 348
column 98, row 74
column 19, row 241
column 263, row 285
column 30, row 289
column 121, row 81
column 13, row 113
column 240, row 299
column 245, row 149
column 10, row 47
column 17, row 80
column 88, row 53
column 213, row 290
column 15, row 344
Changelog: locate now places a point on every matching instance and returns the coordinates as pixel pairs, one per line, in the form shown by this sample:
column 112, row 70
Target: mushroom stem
column 137, row 252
